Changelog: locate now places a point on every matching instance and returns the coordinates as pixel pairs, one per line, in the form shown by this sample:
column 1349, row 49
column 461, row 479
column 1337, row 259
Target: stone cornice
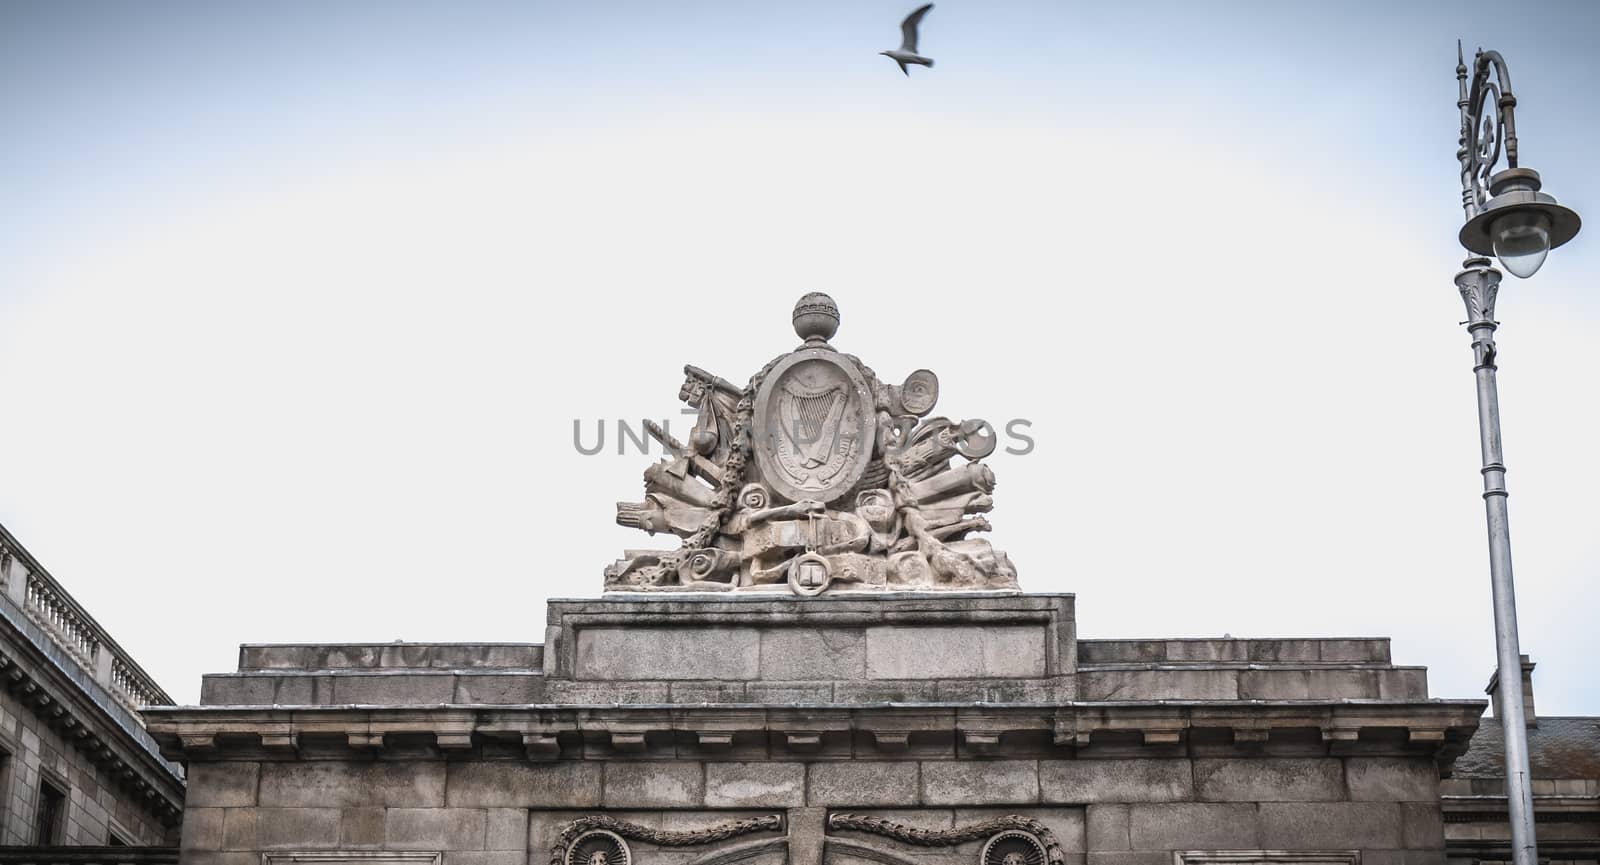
column 88, row 720
column 1438, row 728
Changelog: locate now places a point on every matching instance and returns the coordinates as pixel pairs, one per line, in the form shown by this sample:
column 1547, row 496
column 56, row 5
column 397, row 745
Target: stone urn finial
column 816, row 317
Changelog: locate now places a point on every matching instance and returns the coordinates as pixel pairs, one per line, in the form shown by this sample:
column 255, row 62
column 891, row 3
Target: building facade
column 1564, row 758
column 829, row 667
column 76, row 765
column 908, row 729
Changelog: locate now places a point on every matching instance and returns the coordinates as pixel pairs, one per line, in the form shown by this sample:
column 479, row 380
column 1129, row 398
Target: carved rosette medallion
column 598, row 847
column 814, row 426
column 1012, row 848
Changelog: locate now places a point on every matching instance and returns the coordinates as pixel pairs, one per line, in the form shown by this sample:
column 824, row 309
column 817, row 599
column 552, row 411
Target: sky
column 300, row 302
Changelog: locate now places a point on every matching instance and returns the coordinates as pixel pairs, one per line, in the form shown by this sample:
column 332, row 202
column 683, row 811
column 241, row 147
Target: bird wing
column 908, row 28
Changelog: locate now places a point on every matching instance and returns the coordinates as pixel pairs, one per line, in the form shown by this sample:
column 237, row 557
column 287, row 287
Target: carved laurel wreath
column 659, row 837
column 951, row 837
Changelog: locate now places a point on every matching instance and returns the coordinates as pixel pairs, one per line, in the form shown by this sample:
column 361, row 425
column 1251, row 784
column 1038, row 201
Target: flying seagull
column 907, row 52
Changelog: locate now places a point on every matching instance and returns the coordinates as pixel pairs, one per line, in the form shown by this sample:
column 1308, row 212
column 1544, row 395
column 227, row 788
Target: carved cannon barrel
column 970, row 478
column 928, row 453
column 658, row 480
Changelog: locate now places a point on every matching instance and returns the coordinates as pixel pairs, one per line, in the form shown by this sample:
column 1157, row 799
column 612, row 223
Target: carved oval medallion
column 599, row 847
column 815, row 426
column 1013, row 848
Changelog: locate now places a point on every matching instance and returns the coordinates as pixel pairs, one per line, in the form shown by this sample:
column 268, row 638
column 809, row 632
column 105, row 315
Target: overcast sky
column 299, row 302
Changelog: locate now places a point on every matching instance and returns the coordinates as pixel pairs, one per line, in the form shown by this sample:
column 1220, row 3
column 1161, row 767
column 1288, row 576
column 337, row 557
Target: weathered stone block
column 202, row 829
column 227, row 785
column 956, row 652
column 523, row 785
column 1286, row 651
column 1269, row 780
column 1367, row 651
column 218, row 857
column 1192, row 826
column 229, row 689
column 361, row 828
column 287, row 828
column 1107, row 827
column 996, row 782
column 435, row 828
column 667, row 653
column 706, row 692
column 654, row 785
column 903, row 691
column 1330, row 825
column 1129, row 857
column 1403, row 857
column 755, row 785
column 789, row 692
column 485, row 857
column 241, row 829
column 593, row 693
column 1190, row 651
column 398, row 689
column 1403, row 683
column 351, row 785
column 1301, row 684
column 1423, row 826
column 813, row 653
column 499, row 688
column 864, row 783
column 1121, row 651
column 1083, row 781
column 1163, row 684
column 1005, row 690
column 507, row 829
column 1391, row 779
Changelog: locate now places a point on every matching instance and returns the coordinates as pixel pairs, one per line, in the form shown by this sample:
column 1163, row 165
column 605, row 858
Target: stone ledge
column 1203, row 650
column 309, row 657
column 1437, row 728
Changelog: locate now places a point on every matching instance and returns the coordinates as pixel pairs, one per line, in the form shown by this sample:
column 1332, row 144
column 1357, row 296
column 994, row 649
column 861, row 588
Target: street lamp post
column 1508, row 217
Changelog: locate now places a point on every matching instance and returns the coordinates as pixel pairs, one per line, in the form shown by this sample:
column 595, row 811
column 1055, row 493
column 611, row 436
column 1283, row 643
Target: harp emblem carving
column 815, row 426
column 811, row 420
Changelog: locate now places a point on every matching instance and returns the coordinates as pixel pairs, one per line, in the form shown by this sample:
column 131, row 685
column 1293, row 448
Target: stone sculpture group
column 816, row 476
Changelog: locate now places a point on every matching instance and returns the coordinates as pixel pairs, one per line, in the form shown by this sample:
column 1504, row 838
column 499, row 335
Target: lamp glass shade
column 1521, row 241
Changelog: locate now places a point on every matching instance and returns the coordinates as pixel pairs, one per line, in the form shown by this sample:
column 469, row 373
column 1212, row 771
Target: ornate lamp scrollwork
column 1488, row 124
column 1507, row 214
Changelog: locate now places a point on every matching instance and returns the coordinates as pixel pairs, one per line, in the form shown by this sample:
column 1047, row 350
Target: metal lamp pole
column 1509, row 217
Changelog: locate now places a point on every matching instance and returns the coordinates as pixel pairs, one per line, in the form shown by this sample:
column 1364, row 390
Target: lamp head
column 1519, row 224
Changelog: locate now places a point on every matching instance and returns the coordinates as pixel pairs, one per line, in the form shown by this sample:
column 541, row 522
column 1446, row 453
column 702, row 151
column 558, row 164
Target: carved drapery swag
column 582, row 826
column 1010, row 823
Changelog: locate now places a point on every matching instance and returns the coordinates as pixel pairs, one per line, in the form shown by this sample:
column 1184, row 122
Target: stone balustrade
column 28, row 585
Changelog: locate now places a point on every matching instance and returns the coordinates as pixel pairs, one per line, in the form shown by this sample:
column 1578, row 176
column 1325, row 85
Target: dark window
column 49, row 816
column 116, row 840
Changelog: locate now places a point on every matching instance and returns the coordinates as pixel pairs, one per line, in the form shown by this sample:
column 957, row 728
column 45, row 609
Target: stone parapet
column 988, row 647
column 896, row 729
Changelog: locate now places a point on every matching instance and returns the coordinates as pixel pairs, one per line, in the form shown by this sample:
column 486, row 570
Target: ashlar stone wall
column 1104, row 812
column 98, row 807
